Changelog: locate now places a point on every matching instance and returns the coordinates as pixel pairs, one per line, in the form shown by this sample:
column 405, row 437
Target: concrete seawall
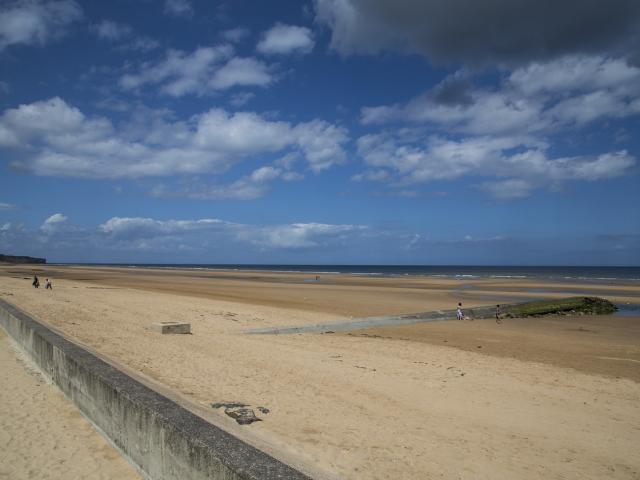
column 164, row 440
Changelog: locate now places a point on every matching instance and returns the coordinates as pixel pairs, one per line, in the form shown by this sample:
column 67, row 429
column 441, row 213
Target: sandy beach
column 43, row 435
column 538, row 398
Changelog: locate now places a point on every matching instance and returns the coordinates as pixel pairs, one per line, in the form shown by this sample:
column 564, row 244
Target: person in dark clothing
column 36, row 282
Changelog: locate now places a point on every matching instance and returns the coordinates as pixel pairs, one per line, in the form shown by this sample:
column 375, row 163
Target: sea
column 596, row 274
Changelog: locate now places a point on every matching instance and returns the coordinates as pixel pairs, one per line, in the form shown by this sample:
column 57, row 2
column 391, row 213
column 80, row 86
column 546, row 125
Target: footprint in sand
column 455, row 371
column 365, row 368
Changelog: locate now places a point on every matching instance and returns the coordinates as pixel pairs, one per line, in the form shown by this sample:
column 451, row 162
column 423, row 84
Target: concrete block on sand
column 171, row 327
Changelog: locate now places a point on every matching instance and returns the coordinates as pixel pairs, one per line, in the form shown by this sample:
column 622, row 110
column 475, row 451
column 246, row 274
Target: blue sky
column 326, row 131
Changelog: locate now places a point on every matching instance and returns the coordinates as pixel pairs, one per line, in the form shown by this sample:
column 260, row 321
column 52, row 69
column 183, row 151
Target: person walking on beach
column 47, row 285
column 36, row 282
column 459, row 314
column 498, row 314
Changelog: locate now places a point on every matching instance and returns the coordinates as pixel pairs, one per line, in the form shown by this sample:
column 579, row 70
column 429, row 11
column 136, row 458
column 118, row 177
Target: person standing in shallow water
column 459, row 314
column 498, row 314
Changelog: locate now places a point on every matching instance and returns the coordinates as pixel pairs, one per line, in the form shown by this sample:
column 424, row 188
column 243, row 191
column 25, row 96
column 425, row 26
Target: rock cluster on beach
column 240, row 412
column 565, row 306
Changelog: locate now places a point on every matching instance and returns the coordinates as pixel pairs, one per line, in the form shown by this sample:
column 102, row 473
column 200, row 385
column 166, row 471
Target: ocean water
column 587, row 274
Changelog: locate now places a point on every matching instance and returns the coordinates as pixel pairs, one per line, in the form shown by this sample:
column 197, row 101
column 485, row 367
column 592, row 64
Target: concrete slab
column 171, row 327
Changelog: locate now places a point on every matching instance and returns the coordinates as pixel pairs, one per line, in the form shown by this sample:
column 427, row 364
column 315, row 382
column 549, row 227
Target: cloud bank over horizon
column 216, row 241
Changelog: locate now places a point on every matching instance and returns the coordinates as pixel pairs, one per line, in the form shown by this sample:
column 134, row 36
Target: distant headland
column 20, row 259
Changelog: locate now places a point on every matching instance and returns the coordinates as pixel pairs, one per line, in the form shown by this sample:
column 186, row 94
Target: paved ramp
column 372, row 322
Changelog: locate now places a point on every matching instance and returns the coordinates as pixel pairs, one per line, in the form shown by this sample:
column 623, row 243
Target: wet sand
column 601, row 345
column 43, row 435
column 353, row 406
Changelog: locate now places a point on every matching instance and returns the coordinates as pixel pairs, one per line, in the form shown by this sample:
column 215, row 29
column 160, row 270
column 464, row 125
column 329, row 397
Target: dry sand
column 352, row 406
column 43, row 435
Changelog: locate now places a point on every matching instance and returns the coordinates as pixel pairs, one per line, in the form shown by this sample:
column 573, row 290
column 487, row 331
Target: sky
column 424, row 132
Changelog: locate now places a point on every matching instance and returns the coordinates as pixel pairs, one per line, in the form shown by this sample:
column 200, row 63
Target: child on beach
column 36, row 282
column 459, row 314
column 47, row 285
column 498, row 314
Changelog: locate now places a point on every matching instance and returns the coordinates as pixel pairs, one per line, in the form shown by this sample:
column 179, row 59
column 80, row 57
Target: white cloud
column 539, row 98
column 372, row 176
column 506, row 131
column 235, row 35
column 7, row 137
column 350, row 32
column 36, row 22
column 135, row 235
column 242, row 132
column 321, row 143
column 153, row 235
column 301, row 235
column 593, row 106
column 7, row 206
column 285, row 39
column 581, row 89
column 292, row 176
column 141, row 231
column 205, row 70
column 523, row 162
column 569, row 74
column 112, row 31
column 212, row 240
column 54, row 223
column 123, row 36
column 288, row 161
column 252, row 186
column 264, row 174
column 54, row 138
column 488, row 113
column 179, row 68
column 591, row 168
column 140, row 44
column 510, row 189
column 27, row 122
column 241, row 72
column 54, row 219
column 242, row 98
column 472, row 239
column 178, row 8
column 248, row 187
column 136, row 227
